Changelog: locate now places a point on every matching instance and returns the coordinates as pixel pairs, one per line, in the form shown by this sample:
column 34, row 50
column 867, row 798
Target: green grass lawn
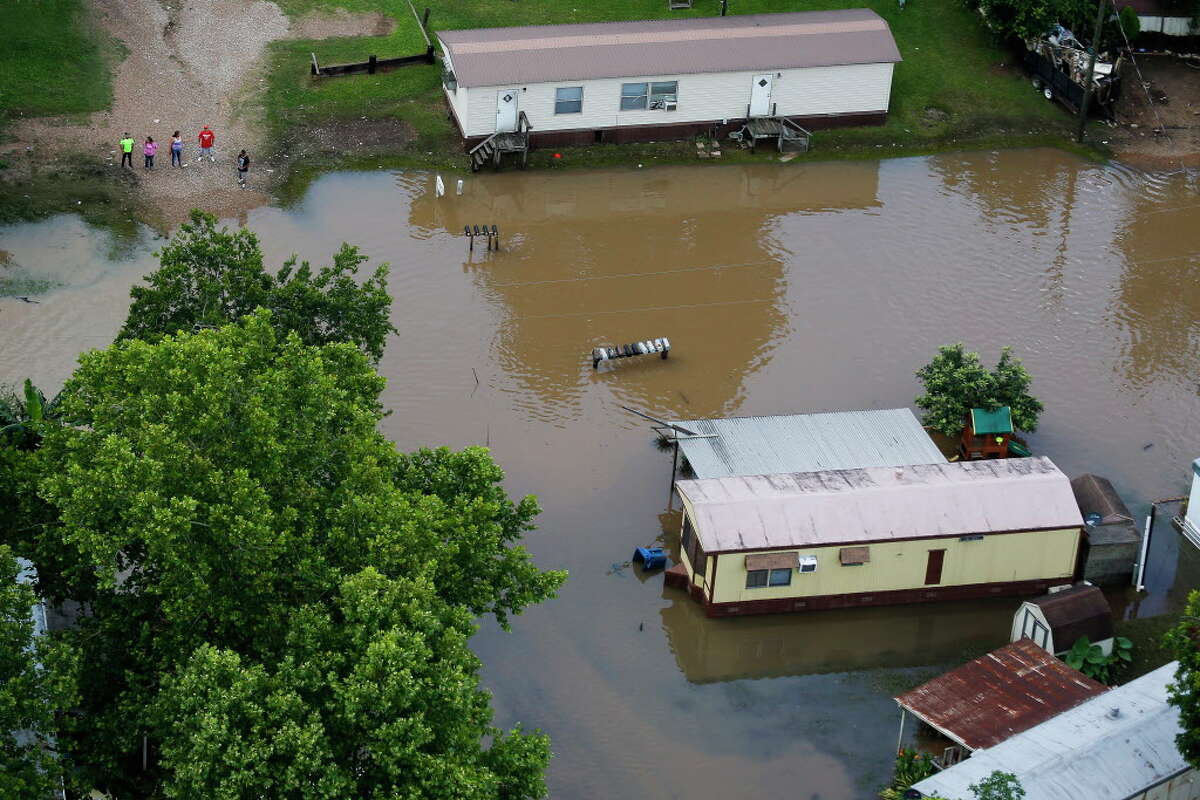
column 52, row 59
column 955, row 87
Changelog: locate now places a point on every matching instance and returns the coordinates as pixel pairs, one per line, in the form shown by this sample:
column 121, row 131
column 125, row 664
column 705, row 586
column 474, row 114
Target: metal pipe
column 1141, row 572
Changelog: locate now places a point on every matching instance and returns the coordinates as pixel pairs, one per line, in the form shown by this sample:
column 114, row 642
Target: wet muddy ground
column 805, row 288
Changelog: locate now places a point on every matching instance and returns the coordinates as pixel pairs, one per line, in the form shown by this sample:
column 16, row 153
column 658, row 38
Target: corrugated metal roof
column 1009, row 690
column 866, row 505
column 1084, row 753
column 1081, row 610
column 541, row 53
column 807, row 443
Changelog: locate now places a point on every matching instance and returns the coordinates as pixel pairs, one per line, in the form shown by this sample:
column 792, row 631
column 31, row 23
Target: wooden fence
column 373, row 63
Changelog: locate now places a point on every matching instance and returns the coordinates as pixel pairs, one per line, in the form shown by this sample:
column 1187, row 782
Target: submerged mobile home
column 755, row 544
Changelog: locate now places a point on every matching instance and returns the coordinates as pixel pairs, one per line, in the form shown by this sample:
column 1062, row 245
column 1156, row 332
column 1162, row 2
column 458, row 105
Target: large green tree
column 209, row 276
column 956, row 381
column 243, row 534
column 1184, row 693
column 37, row 680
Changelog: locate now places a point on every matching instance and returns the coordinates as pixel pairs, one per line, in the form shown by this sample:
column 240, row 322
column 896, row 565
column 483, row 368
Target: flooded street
column 782, row 290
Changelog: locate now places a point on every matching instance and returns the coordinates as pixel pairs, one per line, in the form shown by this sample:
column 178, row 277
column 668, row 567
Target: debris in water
column 599, row 354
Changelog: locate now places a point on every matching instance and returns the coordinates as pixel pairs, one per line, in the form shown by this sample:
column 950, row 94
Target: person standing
column 148, row 150
column 243, row 163
column 127, row 150
column 207, row 138
column 176, row 150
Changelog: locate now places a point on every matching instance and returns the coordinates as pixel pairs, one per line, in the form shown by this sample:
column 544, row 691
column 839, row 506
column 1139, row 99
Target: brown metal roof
column 1081, row 610
column 1095, row 494
column 663, row 48
column 1009, row 690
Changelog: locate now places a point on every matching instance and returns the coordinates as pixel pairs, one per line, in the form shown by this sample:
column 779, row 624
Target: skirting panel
column 581, row 137
column 927, row 594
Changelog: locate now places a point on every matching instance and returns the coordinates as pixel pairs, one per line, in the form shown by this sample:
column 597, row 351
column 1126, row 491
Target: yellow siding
column 1034, row 555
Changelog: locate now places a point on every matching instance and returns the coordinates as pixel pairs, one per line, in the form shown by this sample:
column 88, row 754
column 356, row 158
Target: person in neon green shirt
column 127, row 150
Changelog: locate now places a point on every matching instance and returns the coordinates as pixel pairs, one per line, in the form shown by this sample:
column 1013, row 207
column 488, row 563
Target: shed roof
column 998, row 421
column 1009, row 690
column 542, row 53
column 850, row 506
column 1084, row 753
column 1081, row 610
column 1096, row 495
column 807, row 443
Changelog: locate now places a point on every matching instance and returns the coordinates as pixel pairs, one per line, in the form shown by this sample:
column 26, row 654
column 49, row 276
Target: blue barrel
column 651, row 557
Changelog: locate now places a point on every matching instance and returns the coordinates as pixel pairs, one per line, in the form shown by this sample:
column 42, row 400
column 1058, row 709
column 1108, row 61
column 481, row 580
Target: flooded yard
column 782, row 290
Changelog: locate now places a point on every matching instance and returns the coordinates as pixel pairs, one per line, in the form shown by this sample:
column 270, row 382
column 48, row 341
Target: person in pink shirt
column 148, row 150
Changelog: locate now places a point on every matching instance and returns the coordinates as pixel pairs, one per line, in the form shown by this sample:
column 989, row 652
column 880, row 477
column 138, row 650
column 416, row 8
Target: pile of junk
column 1058, row 63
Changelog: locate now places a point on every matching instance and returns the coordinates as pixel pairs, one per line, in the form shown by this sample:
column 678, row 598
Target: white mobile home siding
column 813, row 91
column 458, row 97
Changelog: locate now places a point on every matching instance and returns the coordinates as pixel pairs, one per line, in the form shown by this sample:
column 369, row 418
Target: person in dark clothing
column 243, row 166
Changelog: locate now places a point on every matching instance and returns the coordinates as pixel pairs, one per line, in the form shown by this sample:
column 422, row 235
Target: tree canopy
column 956, row 381
column 280, row 602
column 1184, row 693
column 36, row 680
column 209, row 277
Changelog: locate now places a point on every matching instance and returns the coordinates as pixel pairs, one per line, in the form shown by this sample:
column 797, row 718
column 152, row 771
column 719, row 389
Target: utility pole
column 1091, row 70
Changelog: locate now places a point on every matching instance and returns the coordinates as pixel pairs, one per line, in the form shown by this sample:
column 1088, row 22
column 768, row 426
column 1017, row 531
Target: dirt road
column 190, row 63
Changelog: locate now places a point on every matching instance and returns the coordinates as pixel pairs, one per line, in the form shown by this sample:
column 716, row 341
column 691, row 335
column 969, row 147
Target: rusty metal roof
column 858, row 506
column 1081, row 610
column 1009, row 690
column 543, row 53
column 1111, row 747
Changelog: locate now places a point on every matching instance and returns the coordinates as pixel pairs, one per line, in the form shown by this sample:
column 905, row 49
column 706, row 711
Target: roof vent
column 1113, row 713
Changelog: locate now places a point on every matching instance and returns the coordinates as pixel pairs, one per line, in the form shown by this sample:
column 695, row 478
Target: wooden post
column 1091, row 70
column 674, row 469
column 425, row 19
column 370, row 65
column 724, row 7
column 429, row 59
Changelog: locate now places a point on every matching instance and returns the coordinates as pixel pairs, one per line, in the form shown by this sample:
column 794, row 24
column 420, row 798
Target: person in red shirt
column 207, row 137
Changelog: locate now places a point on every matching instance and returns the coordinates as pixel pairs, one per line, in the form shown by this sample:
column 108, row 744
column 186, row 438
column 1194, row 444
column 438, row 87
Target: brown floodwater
column 782, row 289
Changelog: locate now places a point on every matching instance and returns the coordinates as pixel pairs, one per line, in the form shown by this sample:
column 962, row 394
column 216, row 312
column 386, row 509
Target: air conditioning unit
column 670, row 105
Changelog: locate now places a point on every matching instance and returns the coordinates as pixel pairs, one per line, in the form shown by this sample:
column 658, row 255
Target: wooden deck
column 498, row 144
column 786, row 133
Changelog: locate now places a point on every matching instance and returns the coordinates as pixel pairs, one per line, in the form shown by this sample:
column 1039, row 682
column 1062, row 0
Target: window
column 808, row 563
column 664, row 96
column 568, row 100
column 780, row 577
column 633, row 96
column 757, row 578
column 657, row 96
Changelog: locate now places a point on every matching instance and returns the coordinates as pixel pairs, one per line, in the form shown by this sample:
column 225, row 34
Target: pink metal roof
column 1005, row 692
column 850, row 506
column 663, row 48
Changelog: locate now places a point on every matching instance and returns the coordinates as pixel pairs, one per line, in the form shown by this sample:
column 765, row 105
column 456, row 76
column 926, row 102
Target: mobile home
column 663, row 79
column 877, row 535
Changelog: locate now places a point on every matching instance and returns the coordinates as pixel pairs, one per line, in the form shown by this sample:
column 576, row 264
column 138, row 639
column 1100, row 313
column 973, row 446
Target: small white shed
column 663, row 79
column 1055, row 621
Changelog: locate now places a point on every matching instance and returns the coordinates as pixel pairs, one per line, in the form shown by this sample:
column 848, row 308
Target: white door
column 760, row 95
column 506, row 110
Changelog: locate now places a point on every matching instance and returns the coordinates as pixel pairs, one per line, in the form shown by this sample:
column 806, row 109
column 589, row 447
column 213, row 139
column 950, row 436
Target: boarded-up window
column 757, row 561
column 854, row 556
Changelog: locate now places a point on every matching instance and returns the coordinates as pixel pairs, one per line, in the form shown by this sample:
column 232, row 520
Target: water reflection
column 610, row 257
